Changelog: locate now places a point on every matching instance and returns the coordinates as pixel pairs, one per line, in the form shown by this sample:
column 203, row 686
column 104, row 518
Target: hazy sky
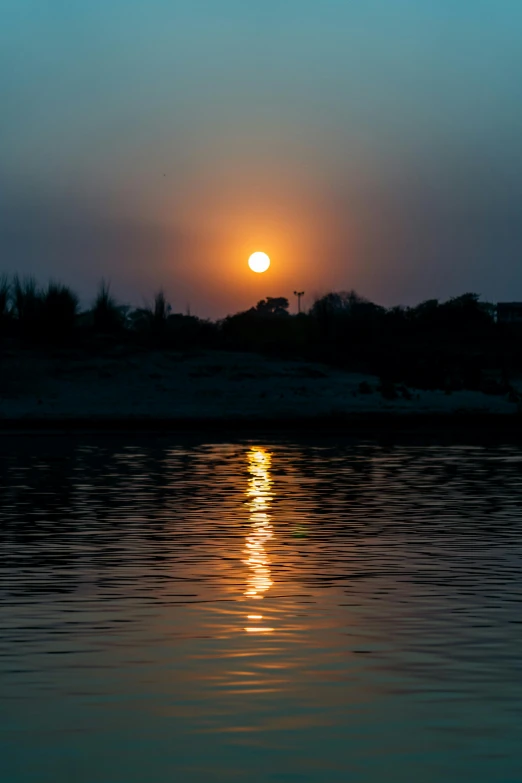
column 369, row 144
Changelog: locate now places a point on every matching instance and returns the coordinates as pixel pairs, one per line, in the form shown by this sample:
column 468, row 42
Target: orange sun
column 259, row 262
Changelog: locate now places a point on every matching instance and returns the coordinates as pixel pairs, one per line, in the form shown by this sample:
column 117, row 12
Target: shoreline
column 372, row 424
column 231, row 394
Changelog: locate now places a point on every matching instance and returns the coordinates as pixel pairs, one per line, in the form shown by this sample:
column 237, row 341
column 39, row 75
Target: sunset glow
column 261, row 264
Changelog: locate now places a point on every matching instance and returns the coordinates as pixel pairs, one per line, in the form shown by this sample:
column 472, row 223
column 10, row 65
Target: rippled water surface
column 259, row 612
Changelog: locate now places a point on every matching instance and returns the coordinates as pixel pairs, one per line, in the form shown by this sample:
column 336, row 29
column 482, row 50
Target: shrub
column 59, row 310
column 5, row 291
column 107, row 316
column 28, row 303
column 152, row 322
column 161, row 311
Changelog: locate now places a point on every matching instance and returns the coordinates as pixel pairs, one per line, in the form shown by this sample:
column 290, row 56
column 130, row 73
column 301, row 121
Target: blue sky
column 371, row 144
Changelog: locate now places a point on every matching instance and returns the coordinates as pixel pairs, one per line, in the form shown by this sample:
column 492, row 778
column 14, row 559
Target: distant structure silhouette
column 299, row 294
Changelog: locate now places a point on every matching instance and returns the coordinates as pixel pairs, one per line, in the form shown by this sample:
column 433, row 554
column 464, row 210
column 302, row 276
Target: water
column 259, row 611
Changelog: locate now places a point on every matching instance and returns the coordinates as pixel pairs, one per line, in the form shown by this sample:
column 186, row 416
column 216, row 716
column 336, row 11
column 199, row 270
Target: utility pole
column 299, row 294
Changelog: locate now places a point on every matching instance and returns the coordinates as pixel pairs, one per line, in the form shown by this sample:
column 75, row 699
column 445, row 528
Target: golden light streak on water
column 259, row 494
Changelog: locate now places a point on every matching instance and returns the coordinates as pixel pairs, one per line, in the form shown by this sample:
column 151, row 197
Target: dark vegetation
column 450, row 345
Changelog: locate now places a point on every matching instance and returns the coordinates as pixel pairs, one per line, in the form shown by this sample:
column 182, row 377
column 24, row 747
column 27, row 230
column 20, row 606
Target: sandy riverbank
column 217, row 389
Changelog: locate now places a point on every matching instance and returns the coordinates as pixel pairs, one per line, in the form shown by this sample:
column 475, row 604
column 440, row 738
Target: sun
column 259, row 262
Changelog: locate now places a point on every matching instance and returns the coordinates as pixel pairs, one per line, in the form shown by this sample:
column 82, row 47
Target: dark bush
column 59, row 310
column 151, row 322
column 107, row 316
column 27, row 306
column 5, row 313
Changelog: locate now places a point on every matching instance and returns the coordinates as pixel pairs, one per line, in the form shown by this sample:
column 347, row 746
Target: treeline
column 51, row 315
column 451, row 345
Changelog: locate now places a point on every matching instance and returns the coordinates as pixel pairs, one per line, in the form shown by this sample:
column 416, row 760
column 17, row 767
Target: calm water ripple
column 261, row 611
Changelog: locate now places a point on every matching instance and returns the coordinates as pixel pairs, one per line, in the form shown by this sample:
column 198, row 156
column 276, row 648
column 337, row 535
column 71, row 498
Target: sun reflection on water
column 259, row 494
